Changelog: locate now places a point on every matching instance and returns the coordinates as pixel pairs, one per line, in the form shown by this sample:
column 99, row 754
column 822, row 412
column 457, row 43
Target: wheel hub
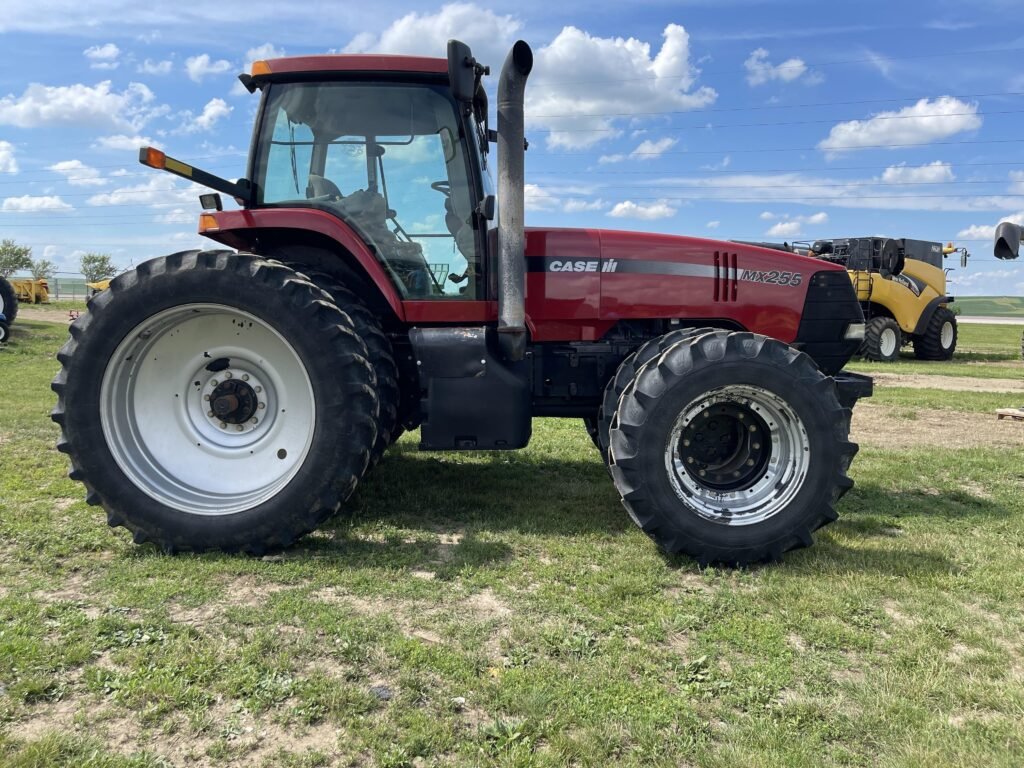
column 726, row 447
column 234, row 402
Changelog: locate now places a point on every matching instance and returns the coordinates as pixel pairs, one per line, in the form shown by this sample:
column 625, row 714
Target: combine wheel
column 8, row 300
column 938, row 342
column 731, row 448
column 380, row 355
column 627, row 370
column 215, row 400
column 882, row 340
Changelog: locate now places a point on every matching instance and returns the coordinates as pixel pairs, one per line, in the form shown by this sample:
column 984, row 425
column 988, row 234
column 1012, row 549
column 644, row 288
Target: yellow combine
column 901, row 285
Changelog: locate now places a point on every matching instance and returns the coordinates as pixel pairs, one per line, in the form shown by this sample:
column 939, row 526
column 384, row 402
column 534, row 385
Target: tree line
column 14, row 258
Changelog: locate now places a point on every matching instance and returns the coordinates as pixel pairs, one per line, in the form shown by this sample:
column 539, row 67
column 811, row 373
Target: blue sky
column 737, row 119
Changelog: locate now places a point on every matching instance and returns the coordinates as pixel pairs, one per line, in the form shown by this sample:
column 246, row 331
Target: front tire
column 938, row 342
column 731, row 448
column 8, row 300
column 882, row 340
column 215, row 400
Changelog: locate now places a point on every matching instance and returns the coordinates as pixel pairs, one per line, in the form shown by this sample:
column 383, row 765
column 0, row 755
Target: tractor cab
column 387, row 159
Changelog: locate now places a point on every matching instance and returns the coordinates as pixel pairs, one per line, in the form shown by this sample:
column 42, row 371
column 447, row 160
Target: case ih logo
column 582, row 265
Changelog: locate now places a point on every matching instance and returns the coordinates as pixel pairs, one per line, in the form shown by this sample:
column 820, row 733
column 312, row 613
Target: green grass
column 994, row 306
column 516, row 618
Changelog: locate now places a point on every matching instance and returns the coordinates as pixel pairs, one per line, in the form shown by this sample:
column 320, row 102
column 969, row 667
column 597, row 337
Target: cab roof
column 350, row 62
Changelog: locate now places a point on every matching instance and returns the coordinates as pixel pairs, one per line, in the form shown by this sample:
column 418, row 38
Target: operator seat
column 320, row 188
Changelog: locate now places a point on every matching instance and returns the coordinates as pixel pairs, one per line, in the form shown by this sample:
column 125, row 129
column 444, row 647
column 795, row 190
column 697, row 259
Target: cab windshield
column 388, row 160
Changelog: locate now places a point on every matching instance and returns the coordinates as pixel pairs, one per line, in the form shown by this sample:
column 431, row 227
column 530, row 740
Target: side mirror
column 1008, row 240
column 487, row 207
column 461, row 71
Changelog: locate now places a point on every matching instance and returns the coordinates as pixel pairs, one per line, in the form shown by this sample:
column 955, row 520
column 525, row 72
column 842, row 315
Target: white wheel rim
column 781, row 458
column 946, row 335
column 887, row 342
column 156, row 402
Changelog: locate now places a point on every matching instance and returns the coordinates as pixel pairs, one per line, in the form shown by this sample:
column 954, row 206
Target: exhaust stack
column 511, row 181
column 1008, row 237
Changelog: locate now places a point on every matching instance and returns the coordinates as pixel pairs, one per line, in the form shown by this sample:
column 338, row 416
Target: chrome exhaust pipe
column 511, row 203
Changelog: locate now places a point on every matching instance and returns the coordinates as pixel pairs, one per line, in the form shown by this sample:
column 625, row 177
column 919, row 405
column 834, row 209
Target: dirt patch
column 948, row 383
column 253, row 740
column 46, row 314
column 873, row 425
column 486, row 606
column 243, row 591
column 894, row 612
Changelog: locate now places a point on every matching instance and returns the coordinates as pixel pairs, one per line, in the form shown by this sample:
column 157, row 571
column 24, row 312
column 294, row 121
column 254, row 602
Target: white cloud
column 8, row 163
column 79, row 105
column 566, row 199
column 50, row 252
column 215, row 110
column 646, row 150
column 988, row 231
column 34, row 204
column 584, row 87
column 932, row 173
column 77, row 173
column 924, row 122
column 201, row 66
column 790, row 226
column 713, row 224
column 125, row 143
column 627, row 209
column 103, row 56
column 150, row 67
column 784, row 229
column 177, row 216
column 161, row 191
column 761, row 71
column 427, row 34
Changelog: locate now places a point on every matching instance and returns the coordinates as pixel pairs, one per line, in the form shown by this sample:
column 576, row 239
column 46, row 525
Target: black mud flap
column 851, row 387
column 471, row 399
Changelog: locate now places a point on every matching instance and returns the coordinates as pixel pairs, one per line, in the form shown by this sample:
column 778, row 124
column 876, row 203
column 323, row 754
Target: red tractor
column 233, row 399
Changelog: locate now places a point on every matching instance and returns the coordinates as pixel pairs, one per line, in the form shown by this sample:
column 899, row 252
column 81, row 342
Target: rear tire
column 8, row 300
column 882, row 340
column 379, row 354
column 215, row 400
column 731, row 448
column 938, row 342
column 5, row 332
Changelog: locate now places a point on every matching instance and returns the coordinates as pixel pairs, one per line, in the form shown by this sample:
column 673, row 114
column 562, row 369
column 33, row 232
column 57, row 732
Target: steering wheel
column 444, row 187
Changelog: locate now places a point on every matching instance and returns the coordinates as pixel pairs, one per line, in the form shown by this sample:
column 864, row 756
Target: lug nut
column 206, row 397
column 686, row 443
column 757, row 446
column 210, row 414
column 690, row 460
column 702, row 473
column 259, row 389
column 228, row 375
column 750, row 462
column 214, row 382
column 261, row 406
column 753, row 428
column 223, row 425
column 245, row 377
column 255, row 420
column 239, row 428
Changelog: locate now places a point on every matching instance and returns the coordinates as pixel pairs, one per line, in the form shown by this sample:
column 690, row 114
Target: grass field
column 991, row 306
column 502, row 610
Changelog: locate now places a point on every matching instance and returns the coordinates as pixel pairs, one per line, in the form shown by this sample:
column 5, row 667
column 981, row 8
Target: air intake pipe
column 511, row 182
column 1008, row 237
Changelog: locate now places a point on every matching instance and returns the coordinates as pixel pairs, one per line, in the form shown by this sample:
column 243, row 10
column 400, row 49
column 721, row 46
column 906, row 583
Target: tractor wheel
column 5, row 332
column 882, row 340
column 380, row 355
column 731, row 448
column 215, row 400
column 626, row 372
column 8, row 300
column 938, row 342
